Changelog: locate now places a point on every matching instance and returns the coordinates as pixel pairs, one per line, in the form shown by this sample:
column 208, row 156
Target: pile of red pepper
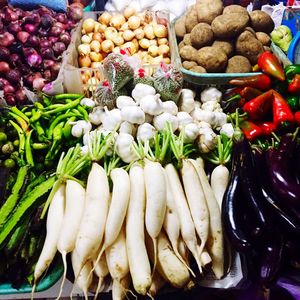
column 271, row 100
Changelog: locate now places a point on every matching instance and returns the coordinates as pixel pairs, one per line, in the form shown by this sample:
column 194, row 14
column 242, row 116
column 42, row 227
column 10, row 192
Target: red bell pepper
column 267, row 127
column 251, row 130
column 294, row 85
column 259, row 106
column 269, row 63
column 297, row 117
column 282, row 113
column 261, row 82
column 249, row 93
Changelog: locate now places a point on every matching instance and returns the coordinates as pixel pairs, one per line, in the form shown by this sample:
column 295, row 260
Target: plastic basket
column 73, row 74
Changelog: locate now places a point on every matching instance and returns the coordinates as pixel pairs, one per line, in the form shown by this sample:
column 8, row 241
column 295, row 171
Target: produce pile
column 31, row 48
column 214, row 39
column 144, row 35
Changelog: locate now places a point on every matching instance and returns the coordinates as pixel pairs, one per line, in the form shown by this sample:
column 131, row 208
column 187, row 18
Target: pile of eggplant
column 261, row 206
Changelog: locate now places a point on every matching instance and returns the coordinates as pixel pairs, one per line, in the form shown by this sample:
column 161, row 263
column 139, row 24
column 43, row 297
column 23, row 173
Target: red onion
column 46, row 21
column 62, row 18
column 1, row 86
column 60, row 25
column 45, row 43
column 47, row 53
column 22, row 36
column 16, row 47
column 43, row 32
column 1, row 25
column 45, row 10
column 4, row 67
column 24, row 69
column 75, row 12
column 29, row 79
column 53, row 39
column 20, row 96
column 70, row 25
column 30, row 28
column 15, row 59
column 20, row 12
column 13, row 76
column 8, row 89
column 4, row 81
column 55, row 70
column 47, row 75
column 65, row 38
column 48, row 63
column 6, row 39
column 11, row 16
column 33, row 18
column 14, row 28
column 56, row 31
column 38, row 83
column 59, row 48
column 29, row 51
column 33, row 41
column 4, row 53
column 10, row 100
column 34, row 60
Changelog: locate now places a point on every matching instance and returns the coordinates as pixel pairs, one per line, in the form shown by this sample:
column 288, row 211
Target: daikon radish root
column 215, row 242
column 219, row 180
column 168, row 264
column 156, row 201
column 93, row 221
column 75, row 200
column 101, row 270
column 187, row 227
column 196, row 200
column 120, row 289
column 139, row 264
column 171, row 223
column 183, row 250
column 157, row 283
column 205, row 258
column 54, row 225
column 116, row 257
column 83, row 279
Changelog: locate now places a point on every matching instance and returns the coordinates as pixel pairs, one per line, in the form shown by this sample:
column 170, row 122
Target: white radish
column 101, row 270
column 219, row 181
column 54, row 225
column 119, row 289
column 183, row 250
column 215, row 243
column 75, row 201
column 116, row 257
column 157, row 283
column 186, row 223
column 156, row 201
column 83, row 279
column 93, row 221
column 139, row 264
column 196, row 200
column 171, row 223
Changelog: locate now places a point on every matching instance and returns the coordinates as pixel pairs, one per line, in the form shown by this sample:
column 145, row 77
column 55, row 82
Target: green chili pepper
column 291, row 71
column 53, row 106
column 28, row 152
column 46, row 100
column 67, row 96
column 83, row 112
column 19, row 113
column 39, row 146
column 28, row 114
column 40, row 131
column 20, row 121
column 56, row 141
column 25, row 204
column 39, row 105
column 68, row 128
column 36, row 115
column 12, row 200
column 63, row 108
column 21, row 137
column 293, row 102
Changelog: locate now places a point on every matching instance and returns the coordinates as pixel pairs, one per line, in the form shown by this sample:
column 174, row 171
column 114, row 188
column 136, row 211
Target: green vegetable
column 293, row 102
column 8, row 148
column 9, row 163
column 15, row 238
column 282, row 37
column 28, row 152
column 3, row 137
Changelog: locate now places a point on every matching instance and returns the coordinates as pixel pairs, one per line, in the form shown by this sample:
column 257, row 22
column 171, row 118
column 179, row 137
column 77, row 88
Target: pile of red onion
column 31, row 48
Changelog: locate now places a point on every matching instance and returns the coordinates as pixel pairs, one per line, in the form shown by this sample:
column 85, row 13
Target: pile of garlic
column 143, row 114
column 139, row 34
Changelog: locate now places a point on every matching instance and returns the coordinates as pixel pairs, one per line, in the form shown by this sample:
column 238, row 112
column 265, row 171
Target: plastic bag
column 117, row 71
column 140, row 76
column 168, row 82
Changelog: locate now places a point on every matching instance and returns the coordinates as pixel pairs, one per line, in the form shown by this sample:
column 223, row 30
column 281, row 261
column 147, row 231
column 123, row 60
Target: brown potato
column 230, row 25
column 234, row 9
column 251, row 30
column 247, row 45
column 238, row 64
column 207, row 10
column 201, row 35
column 181, row 44
column 263, row 38
column 212, row 59
column 261, row 21
column 224, row 45
column 198, row 69
column 187, row 39
column 179, row 26
column 188, row 53
column 189, row 64
column 191, row 19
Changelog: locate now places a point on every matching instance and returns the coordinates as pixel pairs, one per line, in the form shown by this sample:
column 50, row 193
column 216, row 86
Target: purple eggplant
column 280, row 174
column 231, row 209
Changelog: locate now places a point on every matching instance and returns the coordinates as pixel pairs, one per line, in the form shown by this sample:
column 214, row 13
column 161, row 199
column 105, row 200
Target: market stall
column 149, row 150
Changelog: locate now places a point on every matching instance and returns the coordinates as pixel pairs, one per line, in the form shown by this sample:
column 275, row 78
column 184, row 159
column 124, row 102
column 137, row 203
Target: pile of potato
column 141, row 34
column 222, row 39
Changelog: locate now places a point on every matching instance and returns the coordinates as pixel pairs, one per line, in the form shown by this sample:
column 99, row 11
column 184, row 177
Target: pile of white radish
column 146, row 228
